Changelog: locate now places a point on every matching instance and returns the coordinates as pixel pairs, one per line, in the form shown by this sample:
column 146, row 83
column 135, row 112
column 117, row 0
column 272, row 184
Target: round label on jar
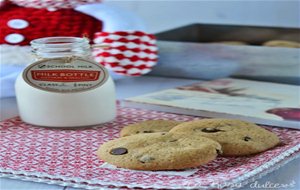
column 65, row 75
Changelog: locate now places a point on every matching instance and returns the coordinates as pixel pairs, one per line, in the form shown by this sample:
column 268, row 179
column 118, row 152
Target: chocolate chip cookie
column 236, row 137
column 282, row 43
column 149, row 126
column 237, row 43
column 159, row 151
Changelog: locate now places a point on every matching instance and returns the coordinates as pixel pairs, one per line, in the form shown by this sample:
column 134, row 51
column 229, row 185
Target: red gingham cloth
column 67, row 157
column 44, row 23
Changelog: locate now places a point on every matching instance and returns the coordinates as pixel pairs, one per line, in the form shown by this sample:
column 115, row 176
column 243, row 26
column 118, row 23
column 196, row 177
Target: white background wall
column 160, row 15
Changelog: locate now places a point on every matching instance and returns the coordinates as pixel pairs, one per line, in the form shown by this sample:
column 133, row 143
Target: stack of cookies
column 172, row 145
column 271, row 43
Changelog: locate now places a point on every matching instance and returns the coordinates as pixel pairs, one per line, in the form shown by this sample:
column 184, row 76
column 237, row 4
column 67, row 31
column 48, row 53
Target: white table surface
column 135, row 86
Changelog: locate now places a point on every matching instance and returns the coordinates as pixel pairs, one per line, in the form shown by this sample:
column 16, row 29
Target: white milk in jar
column 64, row 87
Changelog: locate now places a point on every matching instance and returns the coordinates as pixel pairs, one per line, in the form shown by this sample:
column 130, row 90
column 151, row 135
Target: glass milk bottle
column 64, row 87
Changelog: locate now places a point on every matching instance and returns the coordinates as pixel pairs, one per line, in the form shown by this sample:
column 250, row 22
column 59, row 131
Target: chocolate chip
column 137, row 132
column 219, row 152
column 174, row 140
column 163, row 133
column 247, row 138
column 148, row 131
column 118, row 151
column 210, row 130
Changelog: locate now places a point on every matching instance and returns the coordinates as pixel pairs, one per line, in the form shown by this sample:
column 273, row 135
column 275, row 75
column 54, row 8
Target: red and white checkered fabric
column 52, row 4
column 131, row 53
column 67, row 157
